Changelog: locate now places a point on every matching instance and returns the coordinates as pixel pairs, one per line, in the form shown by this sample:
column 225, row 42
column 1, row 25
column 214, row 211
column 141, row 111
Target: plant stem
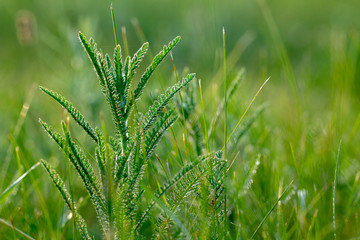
column 113, row 22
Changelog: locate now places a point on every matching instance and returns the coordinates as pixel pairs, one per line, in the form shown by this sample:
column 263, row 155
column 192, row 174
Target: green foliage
column 116, row 191
column 77, row 116
column 296, row 137
column 60, row 185
column 150, row 69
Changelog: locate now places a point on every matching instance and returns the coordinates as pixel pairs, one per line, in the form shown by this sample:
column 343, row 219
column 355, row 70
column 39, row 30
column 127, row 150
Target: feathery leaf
column 182, row 182
column 136, row 60
column 90, row 48
column 162, row 124
column 88, row 177
column 120, row 85
column 60, row 185
column 76, row 115
column 150, row 69
column 162, row 101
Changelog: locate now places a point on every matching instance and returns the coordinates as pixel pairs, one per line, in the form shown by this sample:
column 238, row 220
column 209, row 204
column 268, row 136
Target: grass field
column 292, row 164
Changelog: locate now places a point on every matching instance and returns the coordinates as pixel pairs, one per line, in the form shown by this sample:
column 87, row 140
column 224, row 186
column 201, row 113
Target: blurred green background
column 311, row 50
column 39, row 41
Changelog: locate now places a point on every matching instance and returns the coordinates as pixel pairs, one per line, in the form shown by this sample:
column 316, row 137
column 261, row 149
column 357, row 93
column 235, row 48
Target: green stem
column 225, row 130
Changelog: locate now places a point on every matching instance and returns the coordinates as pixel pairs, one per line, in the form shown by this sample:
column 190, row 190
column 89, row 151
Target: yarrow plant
column 114, row 183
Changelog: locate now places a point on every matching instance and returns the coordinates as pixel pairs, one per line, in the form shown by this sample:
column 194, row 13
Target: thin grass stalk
column 113, row 22
column 356, row 226
column 204, row 119
column 271, row 209
column 225, row 130
column 233, row 57
column 20, row 122
column 334, row 189
column 246, row 110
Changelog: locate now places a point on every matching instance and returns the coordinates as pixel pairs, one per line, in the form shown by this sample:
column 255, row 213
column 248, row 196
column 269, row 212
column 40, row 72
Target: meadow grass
column 292, row 169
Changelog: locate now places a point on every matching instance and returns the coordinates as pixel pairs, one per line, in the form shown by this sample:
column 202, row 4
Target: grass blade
column 225, row 129
column 9, row 189
column 113, row 22
column 16, row 229
column 18, row 127
column 246, row 110
column 334, row 187
column 272, row 209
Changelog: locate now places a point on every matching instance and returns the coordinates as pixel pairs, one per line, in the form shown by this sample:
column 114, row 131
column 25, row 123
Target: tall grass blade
column 204, row 119
column 113, row 22
column 225, row 130
column 247, row 109
column 280, row 47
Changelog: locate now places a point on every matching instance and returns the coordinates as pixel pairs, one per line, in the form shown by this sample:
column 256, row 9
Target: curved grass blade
column 247, row 109
column 19, row 123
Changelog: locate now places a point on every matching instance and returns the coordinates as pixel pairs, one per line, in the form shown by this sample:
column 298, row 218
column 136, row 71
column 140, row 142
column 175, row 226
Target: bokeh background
column 310, row 49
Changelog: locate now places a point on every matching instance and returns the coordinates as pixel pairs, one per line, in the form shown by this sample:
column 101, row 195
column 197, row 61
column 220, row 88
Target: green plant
column 116, row 191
